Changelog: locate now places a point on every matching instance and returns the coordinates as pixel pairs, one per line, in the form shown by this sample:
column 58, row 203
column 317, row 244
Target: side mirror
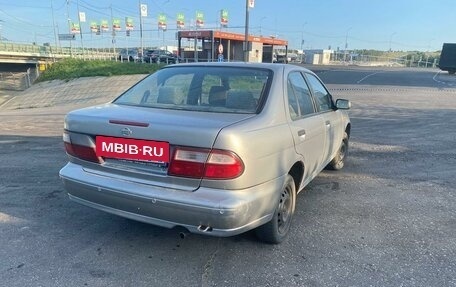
column 343, row 104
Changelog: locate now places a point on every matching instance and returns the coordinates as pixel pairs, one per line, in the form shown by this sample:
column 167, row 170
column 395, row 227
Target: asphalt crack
column 208, row 267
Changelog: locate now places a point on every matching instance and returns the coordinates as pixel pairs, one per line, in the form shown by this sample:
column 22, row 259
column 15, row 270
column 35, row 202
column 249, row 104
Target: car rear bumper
column 206, row 211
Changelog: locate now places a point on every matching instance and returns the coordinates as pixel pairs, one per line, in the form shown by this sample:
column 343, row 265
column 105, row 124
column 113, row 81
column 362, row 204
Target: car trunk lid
column 178, row 128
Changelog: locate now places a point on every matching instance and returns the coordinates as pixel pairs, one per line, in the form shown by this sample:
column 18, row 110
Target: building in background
column 213, row 45
column 318, row 57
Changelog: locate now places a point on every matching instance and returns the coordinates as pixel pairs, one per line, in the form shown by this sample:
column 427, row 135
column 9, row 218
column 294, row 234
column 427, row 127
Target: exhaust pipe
column 183, row 232
column 204, row 228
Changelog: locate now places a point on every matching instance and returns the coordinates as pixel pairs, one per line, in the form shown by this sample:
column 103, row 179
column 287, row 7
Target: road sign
column 66, row 37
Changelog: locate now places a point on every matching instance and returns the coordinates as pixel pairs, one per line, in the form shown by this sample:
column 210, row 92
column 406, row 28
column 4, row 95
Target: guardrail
column 53, row 52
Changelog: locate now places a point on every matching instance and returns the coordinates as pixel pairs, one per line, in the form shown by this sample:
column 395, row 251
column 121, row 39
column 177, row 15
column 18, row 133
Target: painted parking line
column 442, row 82
column 368, row 76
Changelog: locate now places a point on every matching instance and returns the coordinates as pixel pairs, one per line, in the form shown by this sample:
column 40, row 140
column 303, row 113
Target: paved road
column 397, row 77
column 387, row 219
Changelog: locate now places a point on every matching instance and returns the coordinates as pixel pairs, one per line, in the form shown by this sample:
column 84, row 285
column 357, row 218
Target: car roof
column 276, row 67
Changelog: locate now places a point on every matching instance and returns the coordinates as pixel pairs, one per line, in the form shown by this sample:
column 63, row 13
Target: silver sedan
column 210, row 148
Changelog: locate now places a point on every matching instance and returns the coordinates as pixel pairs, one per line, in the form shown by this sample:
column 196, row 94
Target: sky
column 399, row 25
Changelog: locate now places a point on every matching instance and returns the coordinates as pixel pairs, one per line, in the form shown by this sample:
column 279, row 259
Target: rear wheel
column 338, row 161
column 451, row 72
column 276, row 230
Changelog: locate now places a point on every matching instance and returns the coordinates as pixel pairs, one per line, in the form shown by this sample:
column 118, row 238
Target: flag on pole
column 199, row 19
column 75, row 28
column 116, row 25
column 93, row 26
column 162, row 21
column 143, row 8
column 129, row 24
column 224, row 18
column 104, row 25
column 180, row 21
column 82, row 17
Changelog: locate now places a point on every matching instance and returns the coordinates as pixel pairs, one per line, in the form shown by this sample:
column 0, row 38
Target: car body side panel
column 258, row 149
column 334, row 127
column 309, row 138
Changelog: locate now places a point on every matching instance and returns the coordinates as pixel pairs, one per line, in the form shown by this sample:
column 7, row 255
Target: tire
column 338, row 161
column 276, row 230
column 451, row 72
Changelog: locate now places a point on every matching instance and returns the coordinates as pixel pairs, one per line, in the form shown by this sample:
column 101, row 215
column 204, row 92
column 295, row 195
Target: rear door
column 306, row 125
column 332, row 119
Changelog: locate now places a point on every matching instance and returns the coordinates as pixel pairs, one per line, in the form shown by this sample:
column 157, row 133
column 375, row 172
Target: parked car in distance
column 212, row 148
column 281, row 58
column 130, row 55
column 160, row 56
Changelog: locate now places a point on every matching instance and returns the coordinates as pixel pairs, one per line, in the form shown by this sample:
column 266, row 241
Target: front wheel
column 338, row 161
column 276, row 230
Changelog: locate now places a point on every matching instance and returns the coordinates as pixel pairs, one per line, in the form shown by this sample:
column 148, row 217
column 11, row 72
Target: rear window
column 195, row 88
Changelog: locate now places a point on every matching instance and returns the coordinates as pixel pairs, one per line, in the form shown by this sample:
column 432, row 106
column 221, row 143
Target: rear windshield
column 196, row 88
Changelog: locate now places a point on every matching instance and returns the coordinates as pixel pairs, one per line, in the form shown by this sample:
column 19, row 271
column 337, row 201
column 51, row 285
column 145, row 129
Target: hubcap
column 343, row 150
column 285, row 210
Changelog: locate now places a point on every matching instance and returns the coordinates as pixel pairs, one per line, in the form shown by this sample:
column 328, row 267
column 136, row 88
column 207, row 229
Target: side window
column 299, row 99
column 322, row 97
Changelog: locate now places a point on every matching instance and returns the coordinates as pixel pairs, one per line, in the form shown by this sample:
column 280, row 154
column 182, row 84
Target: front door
column 306, row 125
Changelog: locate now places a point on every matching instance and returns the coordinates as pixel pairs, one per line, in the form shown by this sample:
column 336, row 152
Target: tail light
column 80, row 151
column 204, row 163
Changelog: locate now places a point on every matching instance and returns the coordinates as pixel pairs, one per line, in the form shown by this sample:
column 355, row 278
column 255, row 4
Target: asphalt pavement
column 387, row 219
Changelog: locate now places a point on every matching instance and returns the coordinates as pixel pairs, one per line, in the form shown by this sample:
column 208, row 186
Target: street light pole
column 391, row 39
column 246, row 40
column 141, row 30
column 53, row 25
column 1, row 21
column 80, row 28
column 302, row 40
column 346, row 43
column 69, row 25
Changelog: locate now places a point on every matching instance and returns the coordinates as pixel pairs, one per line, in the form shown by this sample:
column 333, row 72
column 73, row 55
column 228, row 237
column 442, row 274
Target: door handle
column 328, row 124
column 302, row 133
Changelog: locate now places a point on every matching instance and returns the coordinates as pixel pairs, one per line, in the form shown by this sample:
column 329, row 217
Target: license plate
column 132, row 149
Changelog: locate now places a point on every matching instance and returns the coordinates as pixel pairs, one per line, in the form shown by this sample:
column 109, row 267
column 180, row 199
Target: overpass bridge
column 36, row 54
column 20, row 64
